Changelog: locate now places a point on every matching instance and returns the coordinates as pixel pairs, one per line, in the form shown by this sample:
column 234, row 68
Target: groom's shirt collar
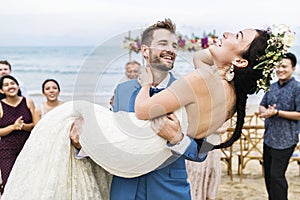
column 164, row 83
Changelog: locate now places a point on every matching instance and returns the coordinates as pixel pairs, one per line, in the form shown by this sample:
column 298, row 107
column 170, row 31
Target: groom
column 159, row 46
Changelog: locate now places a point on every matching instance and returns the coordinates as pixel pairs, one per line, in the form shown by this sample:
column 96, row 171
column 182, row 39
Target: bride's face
column 232, row 45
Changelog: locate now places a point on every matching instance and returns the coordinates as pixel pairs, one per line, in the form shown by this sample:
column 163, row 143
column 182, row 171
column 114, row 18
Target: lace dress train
column 48, row 169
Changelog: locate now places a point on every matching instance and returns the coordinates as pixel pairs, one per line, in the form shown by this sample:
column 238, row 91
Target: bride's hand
column 76, row 129
column 168, row 127
column 145, row 78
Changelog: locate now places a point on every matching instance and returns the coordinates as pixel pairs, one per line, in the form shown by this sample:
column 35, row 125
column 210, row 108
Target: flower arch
column 185, row 43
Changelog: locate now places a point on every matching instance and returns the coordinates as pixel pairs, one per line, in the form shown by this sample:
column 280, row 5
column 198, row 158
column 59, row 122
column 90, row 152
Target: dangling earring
column 229, row 74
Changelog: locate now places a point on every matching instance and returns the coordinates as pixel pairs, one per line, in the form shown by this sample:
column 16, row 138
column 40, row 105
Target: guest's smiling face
column 4, row 70
column 163, row 50
column 51, row 91
column 10, row 87
column 231, row 46
column 132, row 71
column 285, row 71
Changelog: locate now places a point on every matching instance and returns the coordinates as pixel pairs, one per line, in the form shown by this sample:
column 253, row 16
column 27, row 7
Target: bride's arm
column 202, row 58
column 179, row 94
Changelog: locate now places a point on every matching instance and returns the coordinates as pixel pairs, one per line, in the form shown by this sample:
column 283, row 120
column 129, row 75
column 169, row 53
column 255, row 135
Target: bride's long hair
column 245, row 82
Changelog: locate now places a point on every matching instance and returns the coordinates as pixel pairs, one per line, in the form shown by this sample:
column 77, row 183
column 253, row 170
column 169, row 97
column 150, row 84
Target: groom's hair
column 147, row 36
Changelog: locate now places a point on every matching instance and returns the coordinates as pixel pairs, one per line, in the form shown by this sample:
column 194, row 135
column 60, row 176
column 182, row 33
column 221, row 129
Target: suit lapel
column 134, row 93
column 172, row 79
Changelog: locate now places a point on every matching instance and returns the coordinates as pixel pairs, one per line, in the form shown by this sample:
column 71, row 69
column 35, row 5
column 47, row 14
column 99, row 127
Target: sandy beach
column 253, row 186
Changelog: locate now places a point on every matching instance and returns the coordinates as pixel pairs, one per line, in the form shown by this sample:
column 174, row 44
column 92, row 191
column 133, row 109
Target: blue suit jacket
column 168, row 182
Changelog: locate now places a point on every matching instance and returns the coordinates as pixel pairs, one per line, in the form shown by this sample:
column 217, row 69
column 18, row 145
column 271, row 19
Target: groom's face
column 163, row 50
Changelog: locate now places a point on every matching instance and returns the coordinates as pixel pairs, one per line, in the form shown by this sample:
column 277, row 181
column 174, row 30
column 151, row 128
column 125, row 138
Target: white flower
column 279, row 29
column 281, row 39
column 289, row 39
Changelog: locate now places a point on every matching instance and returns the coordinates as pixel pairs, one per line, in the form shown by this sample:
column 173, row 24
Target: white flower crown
column 281, row 38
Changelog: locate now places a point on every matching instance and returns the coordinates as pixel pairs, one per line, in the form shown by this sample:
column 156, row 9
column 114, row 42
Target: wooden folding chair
column 251, row 143
column 226, row 155
column 296, row 156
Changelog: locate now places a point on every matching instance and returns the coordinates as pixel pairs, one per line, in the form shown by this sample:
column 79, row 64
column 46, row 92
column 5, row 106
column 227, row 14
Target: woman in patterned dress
column 16, row 124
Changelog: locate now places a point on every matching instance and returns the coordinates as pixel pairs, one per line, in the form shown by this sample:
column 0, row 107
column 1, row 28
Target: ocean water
column 84, row 72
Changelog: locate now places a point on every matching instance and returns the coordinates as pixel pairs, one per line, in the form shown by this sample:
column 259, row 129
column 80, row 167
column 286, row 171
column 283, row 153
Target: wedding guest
column 5, row 69
column 281, row 109
column 16, row 123
column 132, row 70
column 51, row 90
column 205, row 177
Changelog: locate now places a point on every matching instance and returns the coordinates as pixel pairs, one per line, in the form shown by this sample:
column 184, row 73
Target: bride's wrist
column 177, row 139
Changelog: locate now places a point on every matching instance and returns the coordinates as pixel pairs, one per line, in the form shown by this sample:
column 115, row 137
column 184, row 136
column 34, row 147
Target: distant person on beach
column 5, row 69
column 16, row 123
column 127, row 147
column 132, row 71
column 281, row 109
column 51, row 90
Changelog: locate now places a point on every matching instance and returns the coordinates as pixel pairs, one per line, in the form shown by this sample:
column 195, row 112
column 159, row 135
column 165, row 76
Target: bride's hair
column 245, row 82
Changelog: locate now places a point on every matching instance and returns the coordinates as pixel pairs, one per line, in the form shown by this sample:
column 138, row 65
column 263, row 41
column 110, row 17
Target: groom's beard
column 157, row 62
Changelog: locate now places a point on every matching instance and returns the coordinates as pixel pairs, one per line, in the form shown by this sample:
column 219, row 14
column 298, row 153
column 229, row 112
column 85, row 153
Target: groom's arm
column 179, row 143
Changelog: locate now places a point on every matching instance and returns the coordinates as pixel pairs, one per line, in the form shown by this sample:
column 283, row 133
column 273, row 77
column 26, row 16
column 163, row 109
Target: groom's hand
column 168, row 127
column 75, row 132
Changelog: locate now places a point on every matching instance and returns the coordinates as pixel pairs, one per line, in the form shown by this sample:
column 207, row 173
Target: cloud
column 91, row 21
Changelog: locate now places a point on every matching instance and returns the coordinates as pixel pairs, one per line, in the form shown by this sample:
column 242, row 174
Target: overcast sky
column 91, row 22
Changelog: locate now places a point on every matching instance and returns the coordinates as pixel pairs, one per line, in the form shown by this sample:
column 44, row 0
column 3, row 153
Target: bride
column 47, row 168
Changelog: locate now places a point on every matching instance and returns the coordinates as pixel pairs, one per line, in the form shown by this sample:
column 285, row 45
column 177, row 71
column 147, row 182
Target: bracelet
column 276, row 114
column 175, row 138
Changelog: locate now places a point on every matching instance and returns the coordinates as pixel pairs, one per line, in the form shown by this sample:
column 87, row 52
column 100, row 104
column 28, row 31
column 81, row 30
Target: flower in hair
column 281, row 38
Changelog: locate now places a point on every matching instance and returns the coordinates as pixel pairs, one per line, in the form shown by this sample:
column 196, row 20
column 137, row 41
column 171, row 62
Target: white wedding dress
column 118, row 143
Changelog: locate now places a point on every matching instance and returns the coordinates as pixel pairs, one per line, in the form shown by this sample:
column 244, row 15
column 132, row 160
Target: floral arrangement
column 185, row 43
column 132, row 44
column 189, row 44
column 281, row 38
column 196, row 43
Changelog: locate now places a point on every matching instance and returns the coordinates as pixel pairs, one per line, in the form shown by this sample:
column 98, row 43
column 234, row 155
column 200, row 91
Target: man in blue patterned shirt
column 281, row 109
